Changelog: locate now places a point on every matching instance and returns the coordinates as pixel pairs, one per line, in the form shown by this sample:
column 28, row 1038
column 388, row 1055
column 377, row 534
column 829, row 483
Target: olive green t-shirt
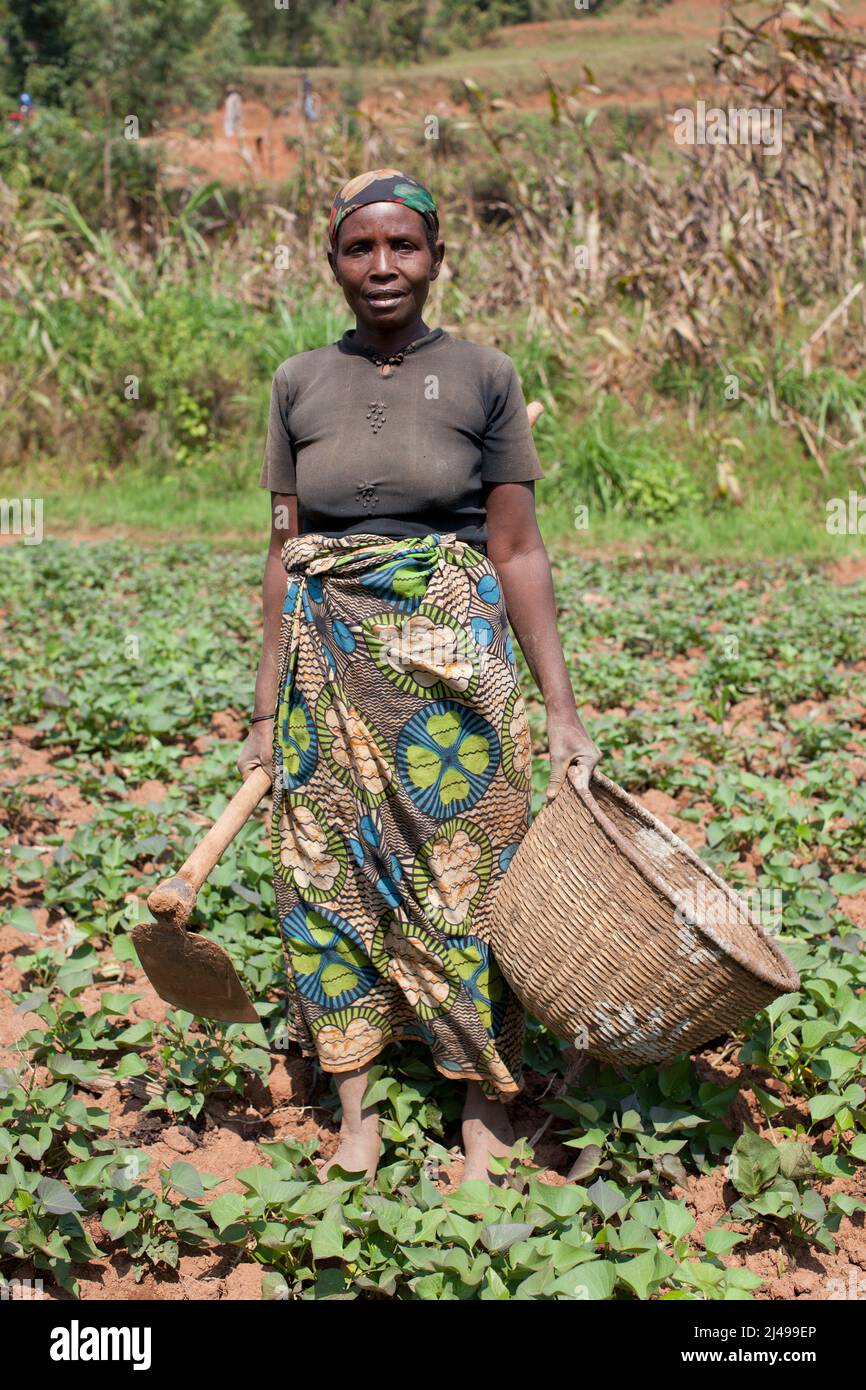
column 399, row 455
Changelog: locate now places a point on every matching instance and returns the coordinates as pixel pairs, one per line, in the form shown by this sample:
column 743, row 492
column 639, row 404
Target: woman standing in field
column 400, row 464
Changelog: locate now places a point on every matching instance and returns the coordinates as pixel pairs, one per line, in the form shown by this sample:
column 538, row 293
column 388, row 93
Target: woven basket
column 615, row 935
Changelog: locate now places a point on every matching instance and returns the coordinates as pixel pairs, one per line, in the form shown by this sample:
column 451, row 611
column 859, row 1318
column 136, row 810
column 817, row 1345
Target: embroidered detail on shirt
column 376, row 415
column 367, row 496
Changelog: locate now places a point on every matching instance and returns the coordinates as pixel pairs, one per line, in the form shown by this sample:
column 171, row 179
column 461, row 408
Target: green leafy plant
column 150, row 1226
column 195, row 1065
column 772, row 1180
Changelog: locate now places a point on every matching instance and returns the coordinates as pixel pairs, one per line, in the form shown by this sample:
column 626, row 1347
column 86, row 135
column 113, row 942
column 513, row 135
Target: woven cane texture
column 614, row 934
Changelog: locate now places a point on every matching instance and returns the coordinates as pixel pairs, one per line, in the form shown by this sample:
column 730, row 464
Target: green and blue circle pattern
column 447, row 755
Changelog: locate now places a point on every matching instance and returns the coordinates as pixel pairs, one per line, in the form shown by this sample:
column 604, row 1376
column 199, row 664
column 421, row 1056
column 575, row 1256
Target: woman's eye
column 362, row 248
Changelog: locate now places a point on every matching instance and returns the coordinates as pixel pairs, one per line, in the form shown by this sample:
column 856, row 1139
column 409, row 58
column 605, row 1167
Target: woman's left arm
column 516, row 550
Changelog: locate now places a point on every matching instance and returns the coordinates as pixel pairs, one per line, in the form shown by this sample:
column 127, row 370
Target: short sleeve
column 508, row 452
column 278, row 464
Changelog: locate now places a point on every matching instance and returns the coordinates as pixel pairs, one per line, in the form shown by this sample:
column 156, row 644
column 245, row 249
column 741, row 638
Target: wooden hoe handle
column 174, row 898
column 208, row 851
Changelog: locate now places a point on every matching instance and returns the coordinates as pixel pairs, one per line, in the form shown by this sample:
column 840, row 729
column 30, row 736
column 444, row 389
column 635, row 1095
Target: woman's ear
column 332, row 262
column 438, row 258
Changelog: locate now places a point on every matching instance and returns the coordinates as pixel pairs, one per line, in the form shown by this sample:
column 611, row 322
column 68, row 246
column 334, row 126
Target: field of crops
column 151, row 1155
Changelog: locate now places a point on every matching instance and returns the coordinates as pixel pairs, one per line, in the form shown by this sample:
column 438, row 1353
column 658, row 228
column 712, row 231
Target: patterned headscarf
column 382, row 186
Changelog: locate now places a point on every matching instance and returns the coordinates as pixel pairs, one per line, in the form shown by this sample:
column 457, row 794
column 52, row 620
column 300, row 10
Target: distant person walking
column 233, row 114
column 233, row 123
column 24, row 112
column 308, row 100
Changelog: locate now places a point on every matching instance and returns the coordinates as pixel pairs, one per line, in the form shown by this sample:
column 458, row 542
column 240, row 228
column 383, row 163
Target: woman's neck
column 388, row 341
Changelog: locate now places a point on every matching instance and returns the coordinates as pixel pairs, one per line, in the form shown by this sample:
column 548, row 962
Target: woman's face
column 383, row 264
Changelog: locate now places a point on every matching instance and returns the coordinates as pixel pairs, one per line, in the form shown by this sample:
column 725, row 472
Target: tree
column 36, row 40
column 139, row 57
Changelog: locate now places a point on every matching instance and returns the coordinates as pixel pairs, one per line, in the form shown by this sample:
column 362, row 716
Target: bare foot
column 487, row 1130
column 359, row 1149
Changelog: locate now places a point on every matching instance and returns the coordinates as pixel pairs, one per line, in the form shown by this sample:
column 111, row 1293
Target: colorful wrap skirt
column 401, row 790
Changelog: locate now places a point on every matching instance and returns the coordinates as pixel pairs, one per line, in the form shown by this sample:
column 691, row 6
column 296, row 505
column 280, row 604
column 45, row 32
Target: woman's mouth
column 385, row 296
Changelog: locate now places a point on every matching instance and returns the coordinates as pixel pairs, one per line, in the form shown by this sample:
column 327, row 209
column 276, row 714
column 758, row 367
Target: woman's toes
column 356, row 1154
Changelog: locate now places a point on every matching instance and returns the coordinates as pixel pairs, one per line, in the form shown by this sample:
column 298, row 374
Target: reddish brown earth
column 849, row 571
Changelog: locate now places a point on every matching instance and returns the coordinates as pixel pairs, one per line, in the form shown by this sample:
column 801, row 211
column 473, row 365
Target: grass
column 181, row 458
column 183, row 461
column 152, row 509
column 784, row 511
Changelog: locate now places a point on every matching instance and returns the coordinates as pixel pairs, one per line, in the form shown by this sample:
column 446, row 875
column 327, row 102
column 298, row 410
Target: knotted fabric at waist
column 315, row 554
column 399, row 569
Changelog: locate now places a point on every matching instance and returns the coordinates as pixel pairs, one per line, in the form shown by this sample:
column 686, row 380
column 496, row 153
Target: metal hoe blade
column 192, row 973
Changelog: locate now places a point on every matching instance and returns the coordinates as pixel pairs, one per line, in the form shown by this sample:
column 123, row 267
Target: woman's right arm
column 257, row 750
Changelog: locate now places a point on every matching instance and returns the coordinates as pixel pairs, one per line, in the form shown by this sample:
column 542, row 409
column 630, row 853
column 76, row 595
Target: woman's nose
column 383, row 261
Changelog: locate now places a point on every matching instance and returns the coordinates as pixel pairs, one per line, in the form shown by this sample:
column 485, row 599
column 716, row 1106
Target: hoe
column 186, row 969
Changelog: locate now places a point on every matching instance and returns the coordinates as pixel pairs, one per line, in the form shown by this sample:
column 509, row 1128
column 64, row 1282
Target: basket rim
column 729, row 948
